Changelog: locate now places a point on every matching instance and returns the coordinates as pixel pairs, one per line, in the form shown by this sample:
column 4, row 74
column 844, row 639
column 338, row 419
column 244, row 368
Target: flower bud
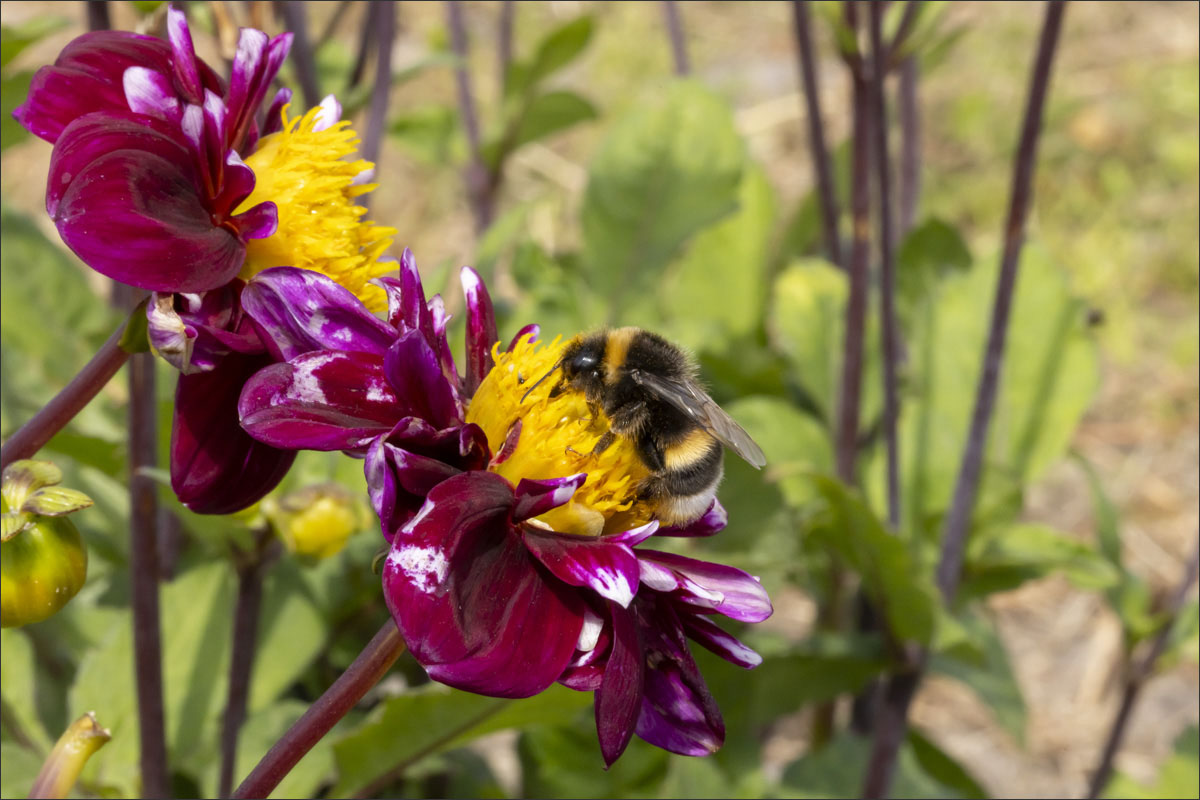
column 69, row 756
column 315, row 522
column 43, row 562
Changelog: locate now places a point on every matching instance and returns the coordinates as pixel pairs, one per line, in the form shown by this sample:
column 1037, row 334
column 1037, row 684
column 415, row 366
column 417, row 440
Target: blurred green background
column 685, row 206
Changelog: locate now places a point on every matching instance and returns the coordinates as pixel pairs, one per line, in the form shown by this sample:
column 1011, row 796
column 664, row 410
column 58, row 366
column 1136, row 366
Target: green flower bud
column 315, row 522
column 43, row 562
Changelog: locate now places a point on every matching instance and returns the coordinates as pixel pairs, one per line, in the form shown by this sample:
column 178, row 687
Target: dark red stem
column 678, row 44
column 371, row 665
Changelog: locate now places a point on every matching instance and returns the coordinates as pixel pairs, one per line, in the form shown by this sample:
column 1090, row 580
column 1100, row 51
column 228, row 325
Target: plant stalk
column 479, row 181
column 371, row 665
column 1139, row 674
column 384, row 34
column 910, row 144
column 295, row 19
column 679, row 52
column 822, row 166
column 33, row 435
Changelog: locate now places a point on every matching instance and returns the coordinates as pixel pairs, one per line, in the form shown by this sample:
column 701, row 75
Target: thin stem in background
column 826, row 190
column 365, row 36
column 954, row 530
column 887, row 278
column 894, row 50
column 480, row 184
column 97, row 15
column 246, row 613
column 892, row 725
column 910, row 144
column 143, row 575
column 678, row 44
column 385, row 34
column 1139, row 674
column 331, row 27
column 371, row 665
column 504, row 39
column 295, row 19
column 33, row 435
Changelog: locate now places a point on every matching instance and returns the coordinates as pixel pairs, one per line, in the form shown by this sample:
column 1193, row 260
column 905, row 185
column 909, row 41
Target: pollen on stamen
column 310, row 175
column 557, row 437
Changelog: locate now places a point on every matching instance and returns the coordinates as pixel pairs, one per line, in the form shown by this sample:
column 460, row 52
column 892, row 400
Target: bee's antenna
column 541, row 379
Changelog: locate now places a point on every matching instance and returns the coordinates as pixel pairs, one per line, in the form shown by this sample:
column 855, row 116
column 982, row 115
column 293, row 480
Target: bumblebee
column 647, row 388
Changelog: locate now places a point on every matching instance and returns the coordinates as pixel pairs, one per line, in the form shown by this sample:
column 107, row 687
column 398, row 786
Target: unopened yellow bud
column 315, row 522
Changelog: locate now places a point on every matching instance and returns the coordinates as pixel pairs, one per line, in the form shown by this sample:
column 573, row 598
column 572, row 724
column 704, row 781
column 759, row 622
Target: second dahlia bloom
column 170, row 179
column 515, row 551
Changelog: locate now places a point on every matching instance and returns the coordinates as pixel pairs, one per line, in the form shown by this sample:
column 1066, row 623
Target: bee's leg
column 604, row 443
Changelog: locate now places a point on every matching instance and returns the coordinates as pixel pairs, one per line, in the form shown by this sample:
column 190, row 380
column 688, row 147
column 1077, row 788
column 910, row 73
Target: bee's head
column 583, row 364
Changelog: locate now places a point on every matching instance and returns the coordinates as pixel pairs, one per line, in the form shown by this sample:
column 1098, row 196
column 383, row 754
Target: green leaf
column 433, row 719
column 715, row 292
column 895, row 585
column 18, row 681
column 1049, row 376
column 991, row 677
column 938, row 765
column 560, row 47
column 837, row 770
column 662, row 173
column 21, row 767
column 15, row 38
column 1108, row 520
column 795, row 443
column 428, row 133
column 553, row 759
column 1177, row 777
column 550, row 113
column 13, row 91
column 807, row 325
column 1000, row 559
column 930, row 251
column 292, row 632
column 136, row 336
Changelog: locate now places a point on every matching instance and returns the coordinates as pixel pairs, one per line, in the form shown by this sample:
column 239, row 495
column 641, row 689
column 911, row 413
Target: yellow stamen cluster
column 308, row 176
column 557, row 438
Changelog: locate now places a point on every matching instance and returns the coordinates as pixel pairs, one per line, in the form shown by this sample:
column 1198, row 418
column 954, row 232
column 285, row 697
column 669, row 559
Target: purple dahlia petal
column 406, row 296
column 300, row 311
column 710, row 522
column 481, row 330
column 274, row 119
column 678, row 713
column 194, row 331
column 703, row 584
column 413, row 371
column 464, row 446
column 150, row 92
column 185, row 55
column 139, row 219
column 88, row 76
column 257, row 222
column 709, row 635
column 319, row 401
column 95, row 136
column 237, row 182
column 398, row 482
column 619, row 698
column 330, row 113
column 536, row 497
column 216, row 467
column 532, row 330
column 215, row 117
column 634, row 536
column 474, row 607
column 610, row 570
column 438, row 319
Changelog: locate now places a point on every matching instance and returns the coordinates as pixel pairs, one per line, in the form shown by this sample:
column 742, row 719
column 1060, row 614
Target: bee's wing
column 693, row 401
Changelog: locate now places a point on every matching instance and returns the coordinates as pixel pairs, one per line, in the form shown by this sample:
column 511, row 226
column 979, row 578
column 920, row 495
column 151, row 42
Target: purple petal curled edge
column 398, row 482
column 194, row 331
column 536, row 497
column 300, row 311
column 713, row 638
column 415, row 375
column 216, row 467
column 712, row 521
column 320, row 401
column 88, row 76
column 473, row 605
column 708, row 586
column 619, row 699
column 532, row 330
column 678, row 713
column 184, row 51
column 610, row 570
column 481, row 330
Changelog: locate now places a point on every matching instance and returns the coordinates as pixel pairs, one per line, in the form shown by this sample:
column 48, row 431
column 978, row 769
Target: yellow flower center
column 557, row 439
column 306, row 174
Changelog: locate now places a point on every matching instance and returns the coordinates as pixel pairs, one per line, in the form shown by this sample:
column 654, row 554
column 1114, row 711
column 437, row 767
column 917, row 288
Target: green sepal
column 23, row 478
column 136, row 338
column 13, row 522
column 56, row 501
